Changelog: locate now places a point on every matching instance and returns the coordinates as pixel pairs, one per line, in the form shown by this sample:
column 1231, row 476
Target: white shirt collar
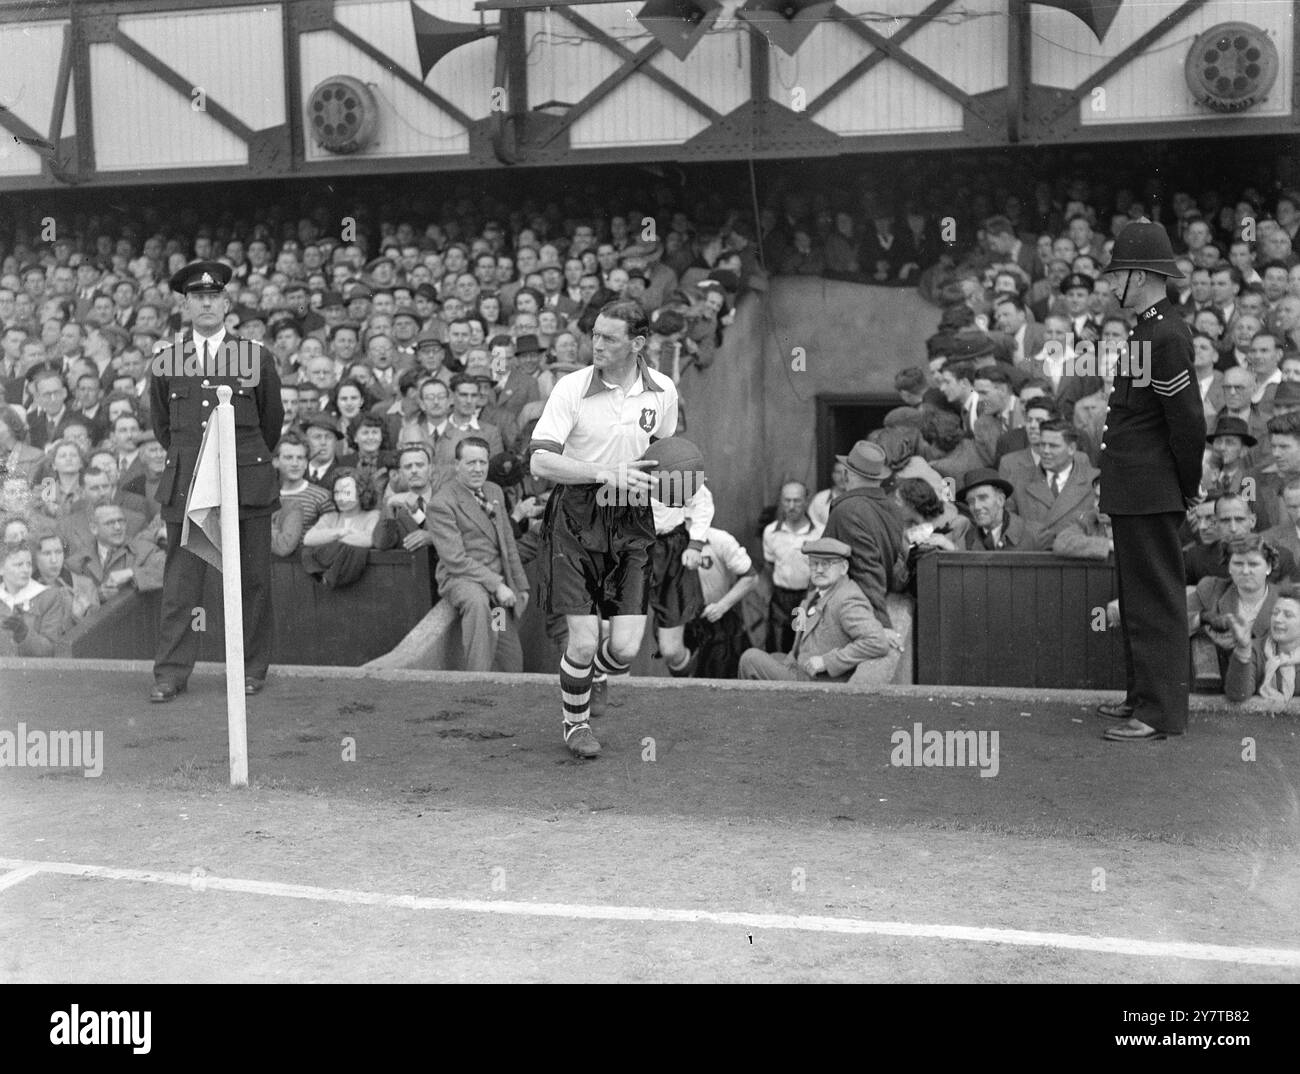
column 29, row 591
column 214, row 340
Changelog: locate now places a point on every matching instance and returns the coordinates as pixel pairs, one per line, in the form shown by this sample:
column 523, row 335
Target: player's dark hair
column 631, row 313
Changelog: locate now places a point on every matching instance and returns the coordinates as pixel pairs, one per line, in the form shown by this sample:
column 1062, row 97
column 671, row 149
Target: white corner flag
column 213, row 535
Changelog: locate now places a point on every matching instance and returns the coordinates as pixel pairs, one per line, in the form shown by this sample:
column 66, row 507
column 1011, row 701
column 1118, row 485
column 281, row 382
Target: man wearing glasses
column 835, row 626
column 45, row 421
column 1238, row 387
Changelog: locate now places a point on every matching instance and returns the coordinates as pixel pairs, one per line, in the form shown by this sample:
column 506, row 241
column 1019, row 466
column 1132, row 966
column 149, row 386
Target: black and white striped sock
column 575, row 690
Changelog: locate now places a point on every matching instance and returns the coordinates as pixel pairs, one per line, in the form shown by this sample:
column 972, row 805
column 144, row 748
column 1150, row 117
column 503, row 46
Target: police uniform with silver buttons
column 1152, row 448
column 181, row 406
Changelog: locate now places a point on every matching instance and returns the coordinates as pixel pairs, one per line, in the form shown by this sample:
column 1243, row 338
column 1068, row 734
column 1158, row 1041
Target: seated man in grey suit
column 1058, row 492
column 479, row 571
column 835, row 626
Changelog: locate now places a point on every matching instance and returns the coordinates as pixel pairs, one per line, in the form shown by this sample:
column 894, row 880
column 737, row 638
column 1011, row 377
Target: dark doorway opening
column 843, row 420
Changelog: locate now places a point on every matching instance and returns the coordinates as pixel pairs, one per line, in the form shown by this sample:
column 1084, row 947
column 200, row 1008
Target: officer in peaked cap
column 181, row 403
column 1151, row 450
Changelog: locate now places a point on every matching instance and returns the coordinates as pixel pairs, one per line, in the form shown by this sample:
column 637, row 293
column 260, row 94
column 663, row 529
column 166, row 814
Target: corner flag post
column 232, row 590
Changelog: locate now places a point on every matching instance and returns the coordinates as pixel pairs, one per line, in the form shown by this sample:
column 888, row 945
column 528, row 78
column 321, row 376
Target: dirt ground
column 776, row 803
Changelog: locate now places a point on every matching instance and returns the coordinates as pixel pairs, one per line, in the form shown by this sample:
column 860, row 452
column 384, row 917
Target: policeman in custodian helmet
column 1150, row 475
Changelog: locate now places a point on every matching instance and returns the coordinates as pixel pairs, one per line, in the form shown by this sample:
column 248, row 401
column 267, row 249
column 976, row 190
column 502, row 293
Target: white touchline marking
column 1111, row 945
column 17, row 876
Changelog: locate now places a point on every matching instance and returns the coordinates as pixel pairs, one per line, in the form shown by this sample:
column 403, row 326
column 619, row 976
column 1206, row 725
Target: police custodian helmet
column 1144, row 247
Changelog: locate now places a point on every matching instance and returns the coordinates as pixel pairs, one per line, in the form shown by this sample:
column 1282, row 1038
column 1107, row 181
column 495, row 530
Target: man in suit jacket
column 865, row 519
column 999, row 411
column 1060, row 491
column 114, row 562
column 47, row 419
column 181, row 402
column 835, row 627
column 995, row 529
column 1020, row 462
column 323, row 438
column 1027, row 338
column 479, row 570
column 463, row 420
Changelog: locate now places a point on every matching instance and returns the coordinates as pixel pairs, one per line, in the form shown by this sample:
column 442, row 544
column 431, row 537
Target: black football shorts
column 597, row 557
column 675, row 594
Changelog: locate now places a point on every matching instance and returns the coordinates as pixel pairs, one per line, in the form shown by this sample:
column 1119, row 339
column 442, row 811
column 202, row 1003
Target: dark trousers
column 717, row 646
column 780, row 618
column 1153, row 614
column 183, row 581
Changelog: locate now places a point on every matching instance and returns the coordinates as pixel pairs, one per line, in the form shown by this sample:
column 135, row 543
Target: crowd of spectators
column 996, row 445
column 399, row 329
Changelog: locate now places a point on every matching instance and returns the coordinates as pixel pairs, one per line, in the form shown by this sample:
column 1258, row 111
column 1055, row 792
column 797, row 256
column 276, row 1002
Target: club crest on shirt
column 647, row 421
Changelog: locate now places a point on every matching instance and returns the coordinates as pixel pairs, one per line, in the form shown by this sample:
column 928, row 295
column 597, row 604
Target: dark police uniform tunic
column 1150, row 469
column 181, row 408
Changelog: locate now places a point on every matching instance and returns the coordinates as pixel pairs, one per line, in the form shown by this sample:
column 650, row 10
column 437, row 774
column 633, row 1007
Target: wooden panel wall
column 1015, row 619
column 313, row 625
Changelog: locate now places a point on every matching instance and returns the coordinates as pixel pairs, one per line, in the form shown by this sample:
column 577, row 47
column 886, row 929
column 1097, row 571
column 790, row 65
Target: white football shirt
column 592, row 421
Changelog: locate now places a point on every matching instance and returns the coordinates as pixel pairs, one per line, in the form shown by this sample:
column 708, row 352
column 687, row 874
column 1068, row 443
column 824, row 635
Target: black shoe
column 1133, row 731
column 581, row 742
column 1115, row 710
column 163, row 692
column 254, row 686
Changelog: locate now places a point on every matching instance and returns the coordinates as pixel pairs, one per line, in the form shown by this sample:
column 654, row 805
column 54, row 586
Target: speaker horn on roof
column 679, row 24
column 786, row 23
column 435, row 37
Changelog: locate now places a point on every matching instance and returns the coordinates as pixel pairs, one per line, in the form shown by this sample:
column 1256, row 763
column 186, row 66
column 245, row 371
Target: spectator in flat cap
column 836, row 629
column 1077, row 289
column 865, row 519
column 994, row 527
